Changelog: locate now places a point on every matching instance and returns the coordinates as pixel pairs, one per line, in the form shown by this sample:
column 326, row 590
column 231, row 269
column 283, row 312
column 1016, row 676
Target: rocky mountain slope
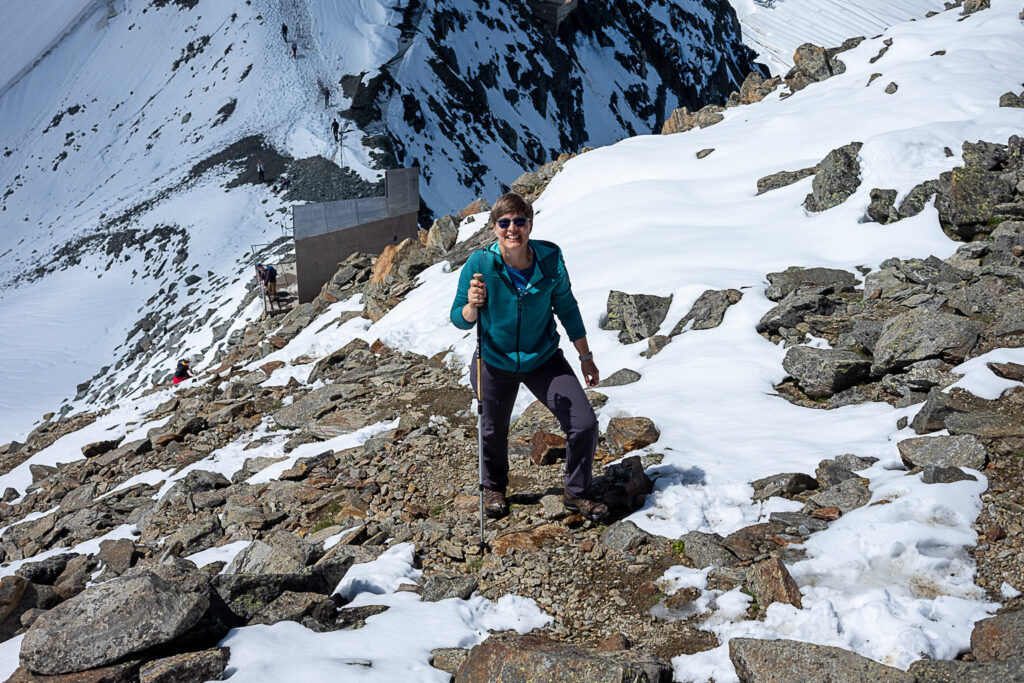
column 132, row 132
column 835, row 492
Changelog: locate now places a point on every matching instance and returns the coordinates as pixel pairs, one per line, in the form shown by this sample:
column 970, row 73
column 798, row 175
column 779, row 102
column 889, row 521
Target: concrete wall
column 318, row 256
column 327, row 233
column 552, row 12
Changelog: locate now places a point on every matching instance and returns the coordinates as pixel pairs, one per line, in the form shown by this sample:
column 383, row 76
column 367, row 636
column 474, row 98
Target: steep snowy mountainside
column 37, row 32
column 484, row 92
column 107, row 196
column 776, row 28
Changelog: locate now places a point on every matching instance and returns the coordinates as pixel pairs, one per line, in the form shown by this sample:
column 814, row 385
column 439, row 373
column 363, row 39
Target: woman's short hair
column 511, row 203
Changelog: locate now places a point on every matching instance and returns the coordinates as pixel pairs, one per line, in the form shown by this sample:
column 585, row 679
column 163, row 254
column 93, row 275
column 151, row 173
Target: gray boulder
column 943, row 451
column 791, row 661
column 837, row 177
column 820, row 373
column 797, row 523
column 636, row 316
column 707, row 311
column 937, row 408
column 847, row 495
column 442, row 587
column 919, row 335
column 707, row 550
column 511, row 657
column 785, row 484
column 109, row 621
column 818, row 280
column 281, row 553
column 782, row 179
column 625, row 536
column 792, row 310
column 945, row 671
column 917, row 198
column 207, row 665
column 620, row 378
column 881, row 209
column 968, row 206
column 945, row 475
column 315, row 404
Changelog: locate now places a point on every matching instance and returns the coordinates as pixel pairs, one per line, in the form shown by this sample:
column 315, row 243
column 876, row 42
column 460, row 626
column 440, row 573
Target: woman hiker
column 524, row 285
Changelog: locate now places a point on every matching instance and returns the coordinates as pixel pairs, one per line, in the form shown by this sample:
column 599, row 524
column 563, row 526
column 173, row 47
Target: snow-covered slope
column 131, row 133
column 776, row 28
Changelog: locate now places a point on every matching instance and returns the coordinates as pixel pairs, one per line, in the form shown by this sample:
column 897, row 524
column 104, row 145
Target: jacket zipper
column 519, row 317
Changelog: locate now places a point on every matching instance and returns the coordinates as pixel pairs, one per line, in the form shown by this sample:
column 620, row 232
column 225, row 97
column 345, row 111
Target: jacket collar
column 541, row 250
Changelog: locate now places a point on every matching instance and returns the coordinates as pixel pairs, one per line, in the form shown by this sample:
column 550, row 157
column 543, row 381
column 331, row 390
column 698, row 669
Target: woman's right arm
column 459, row 310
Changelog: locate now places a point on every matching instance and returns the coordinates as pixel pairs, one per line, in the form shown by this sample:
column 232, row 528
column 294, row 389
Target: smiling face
column 512, row 231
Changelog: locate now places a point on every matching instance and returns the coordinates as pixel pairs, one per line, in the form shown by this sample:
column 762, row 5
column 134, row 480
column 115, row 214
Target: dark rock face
column 459, row 120
column 527, row 658
column 785, row 661
column 109, row 621
column 837, row 177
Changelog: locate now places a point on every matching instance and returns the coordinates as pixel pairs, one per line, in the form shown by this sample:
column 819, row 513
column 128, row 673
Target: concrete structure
column 552, row 12
column 328, row 232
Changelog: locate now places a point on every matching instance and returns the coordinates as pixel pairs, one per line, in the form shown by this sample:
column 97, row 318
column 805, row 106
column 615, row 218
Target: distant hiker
column 334, row 129
column 524, row 285
column 260, row 170
column 327, row 97
column 182, row 372
column 284, row 32
column 268, row 280
column 295, row 47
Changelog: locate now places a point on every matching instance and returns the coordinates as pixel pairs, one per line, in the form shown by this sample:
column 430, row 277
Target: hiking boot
column 594, row 510
column 495, row 504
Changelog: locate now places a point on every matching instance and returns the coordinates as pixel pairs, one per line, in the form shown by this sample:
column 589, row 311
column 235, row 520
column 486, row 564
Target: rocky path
column 186, row 483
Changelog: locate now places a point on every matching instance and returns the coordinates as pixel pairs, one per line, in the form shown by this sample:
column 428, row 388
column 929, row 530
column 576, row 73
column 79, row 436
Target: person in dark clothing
column 260, row 170
column 334, row 129
column 268, row 280
column 327, row 97
column 182, row 372
column 295, row 47
column 515, row 288
column 284, row 32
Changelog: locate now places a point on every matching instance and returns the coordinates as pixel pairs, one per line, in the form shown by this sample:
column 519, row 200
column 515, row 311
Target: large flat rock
column 109, row 621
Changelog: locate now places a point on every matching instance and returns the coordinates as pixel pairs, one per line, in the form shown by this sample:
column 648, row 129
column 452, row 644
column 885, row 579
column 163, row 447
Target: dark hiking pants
column 556, row 385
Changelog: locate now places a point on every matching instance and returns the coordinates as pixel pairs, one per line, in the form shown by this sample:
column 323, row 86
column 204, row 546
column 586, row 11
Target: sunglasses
column 519, row 222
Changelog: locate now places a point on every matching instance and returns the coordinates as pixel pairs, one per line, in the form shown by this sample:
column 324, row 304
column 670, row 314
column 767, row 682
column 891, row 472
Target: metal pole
column 480, row 418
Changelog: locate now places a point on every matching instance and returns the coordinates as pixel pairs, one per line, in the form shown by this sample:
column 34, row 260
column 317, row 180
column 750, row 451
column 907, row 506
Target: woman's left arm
column 587, row 365
column 568, row 311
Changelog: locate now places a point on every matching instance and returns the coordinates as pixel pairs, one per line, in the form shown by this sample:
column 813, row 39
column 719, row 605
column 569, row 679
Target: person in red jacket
column 182, row 372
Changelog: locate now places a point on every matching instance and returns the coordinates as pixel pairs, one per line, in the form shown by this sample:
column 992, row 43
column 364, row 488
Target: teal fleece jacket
column 519, row 332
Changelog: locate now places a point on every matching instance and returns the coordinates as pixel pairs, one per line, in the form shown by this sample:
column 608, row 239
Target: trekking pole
column 480, row 418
